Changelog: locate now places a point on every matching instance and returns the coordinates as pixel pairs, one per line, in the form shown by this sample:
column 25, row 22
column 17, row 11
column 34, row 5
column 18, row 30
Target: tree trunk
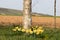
column 27, row 14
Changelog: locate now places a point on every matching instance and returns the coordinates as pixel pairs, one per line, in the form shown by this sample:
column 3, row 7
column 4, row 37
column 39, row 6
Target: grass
column 6, row 33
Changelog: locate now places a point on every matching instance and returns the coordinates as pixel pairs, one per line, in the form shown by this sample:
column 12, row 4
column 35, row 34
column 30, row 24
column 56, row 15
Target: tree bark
column 27, row 14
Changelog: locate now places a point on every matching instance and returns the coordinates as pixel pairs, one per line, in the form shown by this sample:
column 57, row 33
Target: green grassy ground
column 6, row 33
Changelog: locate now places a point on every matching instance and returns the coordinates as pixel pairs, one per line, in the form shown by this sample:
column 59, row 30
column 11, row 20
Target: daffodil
column 23, row 30
column 27, row 31
column 36, row 26
column 41, row 31
column 37, row 33
column 34, row 31
column 31, row 32
column 14, row 29
column 19, row 29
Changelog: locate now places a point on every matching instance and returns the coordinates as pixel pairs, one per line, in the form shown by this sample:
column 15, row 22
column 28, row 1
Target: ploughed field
column 43, row 21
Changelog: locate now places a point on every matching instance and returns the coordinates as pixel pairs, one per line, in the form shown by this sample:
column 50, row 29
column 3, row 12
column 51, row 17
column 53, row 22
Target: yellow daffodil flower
column 23, row 30
column 36, row 26
column 40, row 31
column 31, row 32
column 37, row 33
column 19, row 29
column 34, row 31
column 14, row 29
column 27, row 31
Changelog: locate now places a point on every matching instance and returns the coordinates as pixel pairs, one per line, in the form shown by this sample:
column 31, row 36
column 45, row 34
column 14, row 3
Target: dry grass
column 46, row 21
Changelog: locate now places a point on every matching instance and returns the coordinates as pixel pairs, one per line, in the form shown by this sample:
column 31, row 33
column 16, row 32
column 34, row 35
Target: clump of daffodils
column 16, row 29
column 33, row 30
column 38, row 30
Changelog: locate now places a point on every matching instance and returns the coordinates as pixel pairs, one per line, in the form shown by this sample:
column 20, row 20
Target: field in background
column 16, row 20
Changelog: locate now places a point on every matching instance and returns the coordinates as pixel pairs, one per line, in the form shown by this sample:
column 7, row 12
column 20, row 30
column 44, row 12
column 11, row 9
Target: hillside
column 5, row 11
column 12, row 12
